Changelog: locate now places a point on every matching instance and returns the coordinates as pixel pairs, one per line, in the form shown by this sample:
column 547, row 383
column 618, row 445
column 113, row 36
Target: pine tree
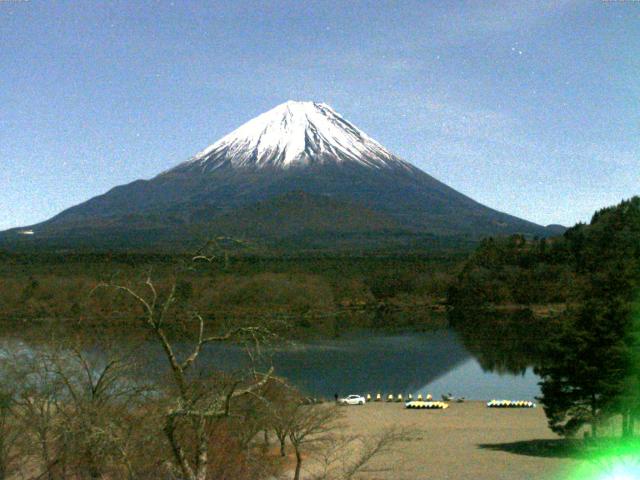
column 592, row 368
column 583, row 373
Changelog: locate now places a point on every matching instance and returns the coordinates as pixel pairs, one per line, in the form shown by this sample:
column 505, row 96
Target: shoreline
column 467, row 440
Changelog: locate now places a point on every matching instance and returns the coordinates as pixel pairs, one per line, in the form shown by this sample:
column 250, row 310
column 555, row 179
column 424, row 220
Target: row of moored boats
column 510, row 404
column 427, row 401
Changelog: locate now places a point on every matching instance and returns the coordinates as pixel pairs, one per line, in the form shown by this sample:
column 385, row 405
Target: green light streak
column 617, row 459
column 621, row 462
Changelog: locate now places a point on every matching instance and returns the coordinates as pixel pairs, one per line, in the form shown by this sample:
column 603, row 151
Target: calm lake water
column 434, row 362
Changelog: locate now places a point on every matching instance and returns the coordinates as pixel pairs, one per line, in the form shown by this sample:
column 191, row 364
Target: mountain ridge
column 295, row 147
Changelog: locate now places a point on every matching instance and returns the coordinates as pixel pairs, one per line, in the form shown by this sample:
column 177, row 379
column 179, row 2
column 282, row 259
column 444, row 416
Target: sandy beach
column 465, row 441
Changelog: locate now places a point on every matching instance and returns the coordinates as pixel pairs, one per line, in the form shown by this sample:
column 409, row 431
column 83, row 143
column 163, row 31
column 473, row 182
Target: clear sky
column 530, row 107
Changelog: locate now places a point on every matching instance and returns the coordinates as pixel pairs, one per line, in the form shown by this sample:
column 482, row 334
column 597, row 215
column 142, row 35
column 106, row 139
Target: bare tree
column 100, row 399
column 75, row 415
column 282, row 403
column 219, row 247
column 346, row 457
column 37, row 409
column 9, row 431
column 194, row 404
column 311, row 425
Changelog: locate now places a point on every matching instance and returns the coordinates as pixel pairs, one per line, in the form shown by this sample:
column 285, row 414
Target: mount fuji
column 296, row 176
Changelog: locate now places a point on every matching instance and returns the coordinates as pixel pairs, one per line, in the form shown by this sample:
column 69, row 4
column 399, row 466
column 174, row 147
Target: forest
column 589, row 357
column 317, row 294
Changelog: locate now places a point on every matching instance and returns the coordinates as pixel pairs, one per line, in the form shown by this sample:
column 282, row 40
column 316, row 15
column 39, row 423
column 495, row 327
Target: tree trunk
column 94, row 473
column 46, row 457
column 178, row 453
column 266, row 437
column 203, row 450
column 4, row 458
column 283, row 453
column 296, row 475
column 92, row 468
column 625, row 424
column 594, row 420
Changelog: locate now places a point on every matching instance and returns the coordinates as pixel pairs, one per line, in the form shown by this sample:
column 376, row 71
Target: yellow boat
column 419, row 404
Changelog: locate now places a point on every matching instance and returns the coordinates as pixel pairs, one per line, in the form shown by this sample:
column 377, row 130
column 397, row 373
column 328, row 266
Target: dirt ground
column 465, row 441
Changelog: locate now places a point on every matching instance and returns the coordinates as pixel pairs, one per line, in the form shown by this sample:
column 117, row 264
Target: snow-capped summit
column 296, row 134
column 297, row 176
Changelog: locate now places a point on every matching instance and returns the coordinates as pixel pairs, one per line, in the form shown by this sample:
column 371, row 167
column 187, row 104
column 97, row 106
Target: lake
column 433, row 362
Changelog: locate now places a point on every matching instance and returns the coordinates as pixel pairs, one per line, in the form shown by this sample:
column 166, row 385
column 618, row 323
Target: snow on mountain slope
column 249, row 184
column 296, row 134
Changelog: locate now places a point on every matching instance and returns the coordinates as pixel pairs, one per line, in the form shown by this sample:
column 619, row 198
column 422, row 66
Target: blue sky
column 530, row 107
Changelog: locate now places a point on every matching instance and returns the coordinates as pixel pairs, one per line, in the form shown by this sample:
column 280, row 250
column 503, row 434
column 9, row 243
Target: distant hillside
column 518, row 271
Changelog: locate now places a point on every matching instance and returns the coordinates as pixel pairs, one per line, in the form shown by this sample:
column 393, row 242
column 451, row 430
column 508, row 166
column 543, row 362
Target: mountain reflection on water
column 433, row 362
column 507, row 343
column 398, row 364
column 486, row 355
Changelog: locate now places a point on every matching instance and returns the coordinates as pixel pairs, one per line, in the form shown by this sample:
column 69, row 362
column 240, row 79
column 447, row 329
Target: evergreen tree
column 583, row 372
column 629, row 400
column 592, row 368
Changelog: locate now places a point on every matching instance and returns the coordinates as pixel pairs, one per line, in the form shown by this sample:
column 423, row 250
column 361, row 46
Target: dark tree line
column 516, row 271
column 589, row 360
column 591, row 370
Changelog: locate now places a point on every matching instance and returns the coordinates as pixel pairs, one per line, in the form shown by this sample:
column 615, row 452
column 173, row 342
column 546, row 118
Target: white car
column 352, row 400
